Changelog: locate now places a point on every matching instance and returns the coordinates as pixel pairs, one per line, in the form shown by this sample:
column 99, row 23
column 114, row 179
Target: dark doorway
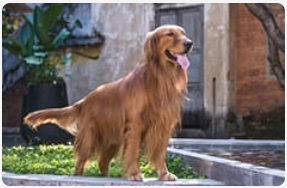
column 191, row 18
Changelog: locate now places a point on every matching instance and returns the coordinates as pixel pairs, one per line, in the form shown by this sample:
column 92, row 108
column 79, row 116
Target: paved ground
column 54, row 180
column 270, row 159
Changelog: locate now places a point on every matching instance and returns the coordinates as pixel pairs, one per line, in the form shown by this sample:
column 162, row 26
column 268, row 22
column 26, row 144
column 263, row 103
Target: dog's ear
column 150, row 47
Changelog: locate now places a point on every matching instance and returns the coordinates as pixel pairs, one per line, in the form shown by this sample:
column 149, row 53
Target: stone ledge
column 231, row 172
column 55, row 180
column 224, row 142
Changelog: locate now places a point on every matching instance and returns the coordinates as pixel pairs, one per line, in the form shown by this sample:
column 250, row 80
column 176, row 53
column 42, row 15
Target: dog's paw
column 134, row 177
column 168, row 177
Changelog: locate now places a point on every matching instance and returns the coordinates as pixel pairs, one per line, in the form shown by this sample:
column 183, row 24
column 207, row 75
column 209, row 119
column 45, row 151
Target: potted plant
column 38, row 46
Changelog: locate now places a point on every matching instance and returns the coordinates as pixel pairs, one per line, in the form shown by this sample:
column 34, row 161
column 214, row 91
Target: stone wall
column 124, row 27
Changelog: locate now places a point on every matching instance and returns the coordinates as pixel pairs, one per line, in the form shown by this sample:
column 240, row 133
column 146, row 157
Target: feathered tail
column 66, row 118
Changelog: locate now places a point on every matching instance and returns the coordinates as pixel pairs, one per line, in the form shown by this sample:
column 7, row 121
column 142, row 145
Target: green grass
column 58, row 159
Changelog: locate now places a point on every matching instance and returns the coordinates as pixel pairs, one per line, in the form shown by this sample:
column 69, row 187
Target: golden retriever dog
column 135, row 113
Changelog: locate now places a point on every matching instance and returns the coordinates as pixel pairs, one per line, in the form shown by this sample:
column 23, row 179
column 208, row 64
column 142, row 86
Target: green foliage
column 58, row 159
column 38, row 42
column 9, row 23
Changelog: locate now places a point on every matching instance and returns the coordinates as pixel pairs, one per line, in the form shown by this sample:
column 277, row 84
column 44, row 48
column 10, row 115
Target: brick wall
column 256, row 89
column 12, row 104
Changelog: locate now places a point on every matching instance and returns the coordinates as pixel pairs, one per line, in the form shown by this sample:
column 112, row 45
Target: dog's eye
column 170, row 34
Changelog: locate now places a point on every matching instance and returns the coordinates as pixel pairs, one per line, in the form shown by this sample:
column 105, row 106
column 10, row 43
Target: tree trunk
column 265, row 16
column 273, row 59
column 276, row 39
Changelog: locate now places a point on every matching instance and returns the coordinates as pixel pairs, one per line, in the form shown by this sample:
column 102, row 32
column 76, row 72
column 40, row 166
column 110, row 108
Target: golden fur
column 136, row 112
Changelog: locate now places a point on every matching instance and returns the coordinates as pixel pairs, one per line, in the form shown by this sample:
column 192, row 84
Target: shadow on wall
column 196, row 120
column 266, row 125
column 258, row 124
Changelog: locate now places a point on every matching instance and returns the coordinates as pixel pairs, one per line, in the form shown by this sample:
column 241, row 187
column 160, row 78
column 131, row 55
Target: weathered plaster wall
column 124, row 27
column 216, row 65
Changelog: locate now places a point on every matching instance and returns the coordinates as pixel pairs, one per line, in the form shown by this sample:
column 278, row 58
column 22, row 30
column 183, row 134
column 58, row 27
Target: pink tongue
column 183, row 61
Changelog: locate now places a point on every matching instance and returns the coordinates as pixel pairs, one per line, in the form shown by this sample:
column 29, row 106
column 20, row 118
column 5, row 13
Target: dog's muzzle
column 187, row 44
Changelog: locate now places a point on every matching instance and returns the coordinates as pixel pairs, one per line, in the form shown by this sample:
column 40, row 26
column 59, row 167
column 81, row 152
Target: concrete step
column 55, row 180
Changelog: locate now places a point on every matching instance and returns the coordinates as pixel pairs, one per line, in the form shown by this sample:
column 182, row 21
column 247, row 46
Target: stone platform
column 55, row 180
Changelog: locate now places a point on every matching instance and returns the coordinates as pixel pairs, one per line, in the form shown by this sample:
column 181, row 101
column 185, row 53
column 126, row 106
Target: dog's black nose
column 188, row 44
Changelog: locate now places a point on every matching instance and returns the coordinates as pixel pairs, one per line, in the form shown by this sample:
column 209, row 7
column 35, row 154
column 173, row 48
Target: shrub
column 58, row 159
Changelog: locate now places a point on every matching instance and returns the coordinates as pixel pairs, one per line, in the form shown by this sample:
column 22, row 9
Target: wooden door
column 190, row 18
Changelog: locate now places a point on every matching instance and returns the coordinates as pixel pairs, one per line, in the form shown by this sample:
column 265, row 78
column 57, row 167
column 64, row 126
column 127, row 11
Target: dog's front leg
column 159, row 160
column 131, row 154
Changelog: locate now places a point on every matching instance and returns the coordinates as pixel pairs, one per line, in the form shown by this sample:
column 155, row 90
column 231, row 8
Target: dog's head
column 168, row 44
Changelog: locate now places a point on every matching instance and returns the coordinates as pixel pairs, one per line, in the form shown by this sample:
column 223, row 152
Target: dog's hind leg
column 80, row 164
column 84, row 150
column 105, row 157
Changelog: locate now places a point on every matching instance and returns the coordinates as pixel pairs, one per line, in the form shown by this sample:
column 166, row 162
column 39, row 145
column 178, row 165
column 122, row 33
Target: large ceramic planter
column 42, row 96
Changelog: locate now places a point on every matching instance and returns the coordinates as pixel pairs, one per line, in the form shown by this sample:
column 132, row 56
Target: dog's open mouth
column 181, row 59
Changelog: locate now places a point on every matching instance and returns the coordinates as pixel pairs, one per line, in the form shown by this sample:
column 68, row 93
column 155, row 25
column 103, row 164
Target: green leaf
column 66, row 58
column 44, row 38
column 40, row 54
column 28, row 18
column 60, row 37
column 36, row 19
column 62, row 22
column 29, row 46
column 29, row 33
column 32, row 60
column 19, row 46
column 11, row 48
column 41, row 33
column 38, row 47
column 78, row 23
column 26, row 33
column 50, row 16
